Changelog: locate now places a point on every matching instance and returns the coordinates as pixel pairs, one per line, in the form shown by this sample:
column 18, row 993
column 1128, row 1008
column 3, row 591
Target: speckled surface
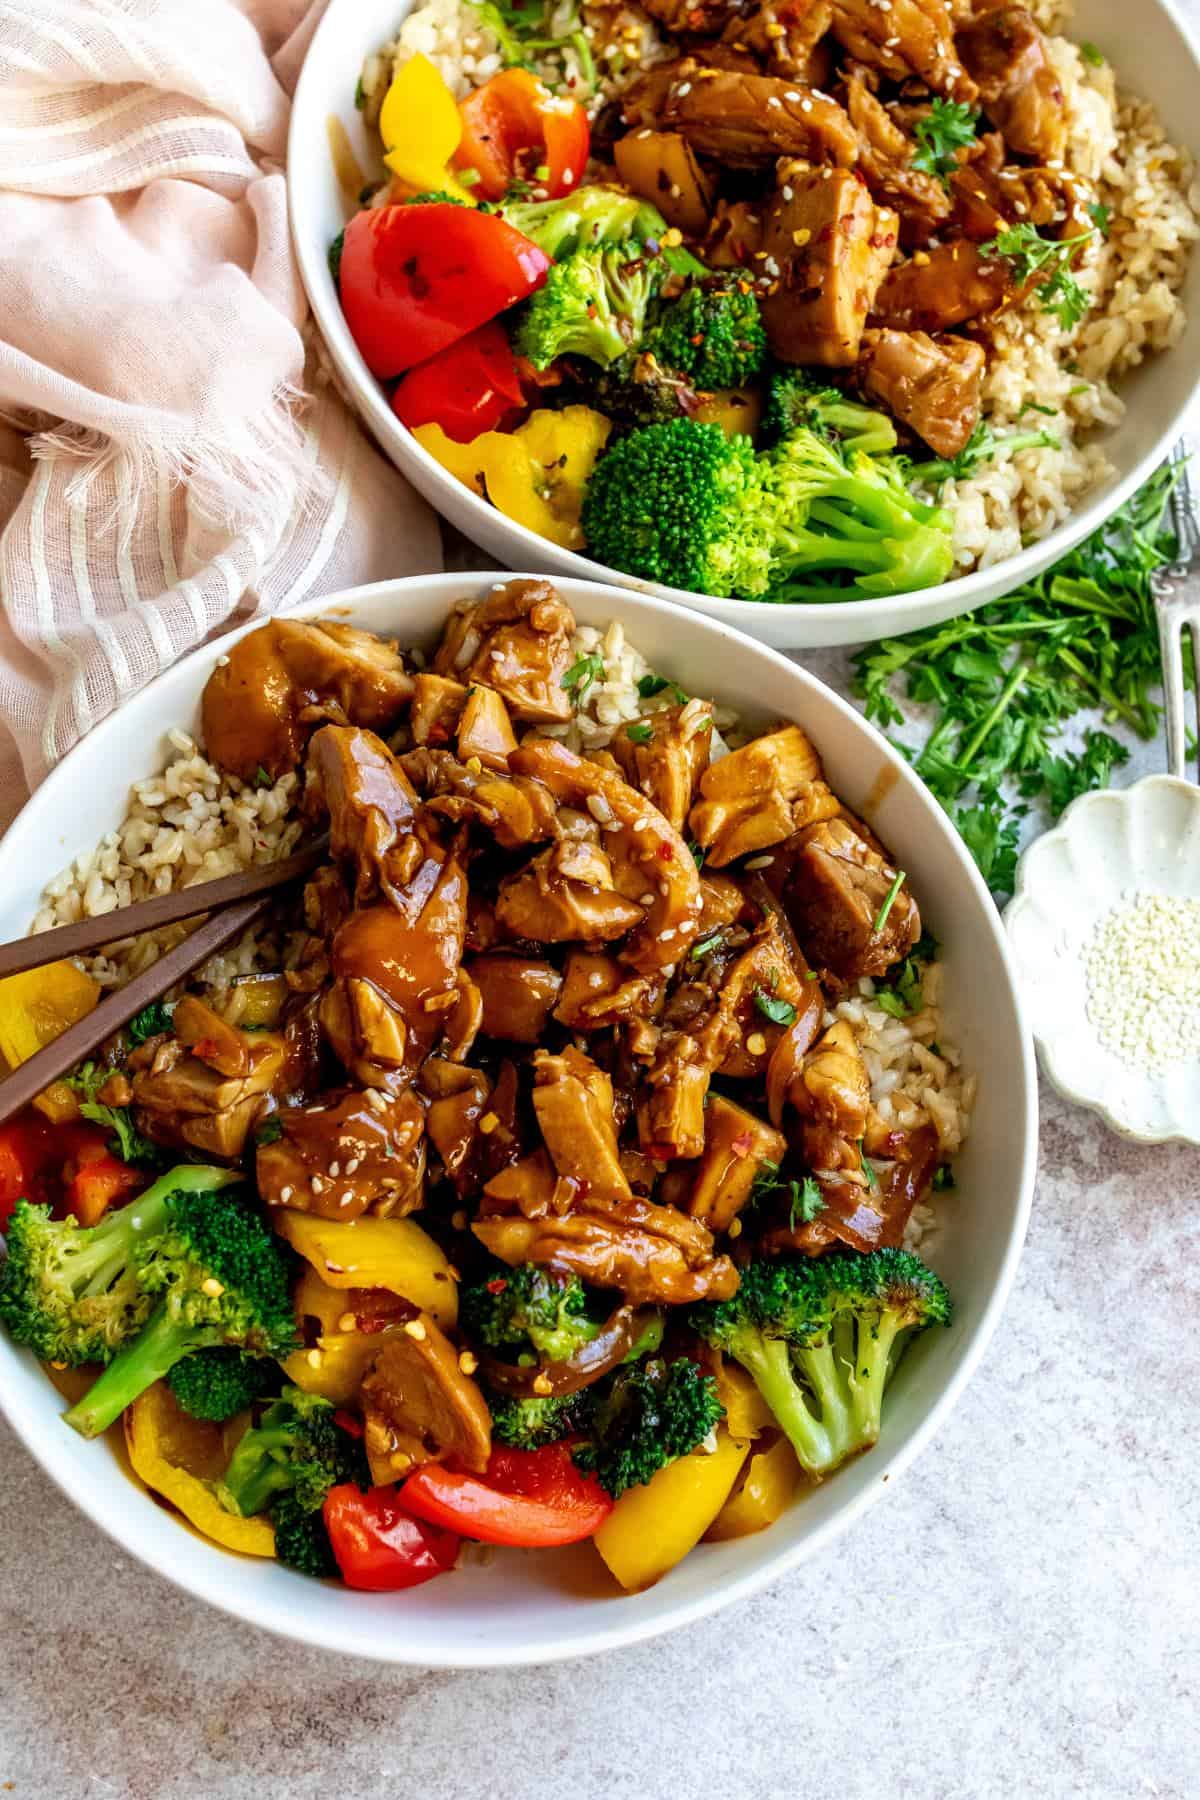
column 1020, row 1617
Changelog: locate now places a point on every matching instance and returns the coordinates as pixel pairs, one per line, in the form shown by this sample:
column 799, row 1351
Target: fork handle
column 1170, row 639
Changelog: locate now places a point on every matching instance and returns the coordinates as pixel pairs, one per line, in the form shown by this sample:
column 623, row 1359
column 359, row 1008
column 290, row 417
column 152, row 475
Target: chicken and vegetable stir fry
column 725, row 326
column 536, row 1186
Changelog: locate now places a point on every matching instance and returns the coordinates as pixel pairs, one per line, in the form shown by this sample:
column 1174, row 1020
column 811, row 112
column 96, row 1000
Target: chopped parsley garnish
column 946, row 127
column 261, row 778
column 881, row 917
column 1090, row 54
column 806, row 1202
column 998, row 687
column 270, row 1131
column 581, row 674
column 639, row 734
column 943, row 1178
column 780, row 1012
column 982, row 446
column 903, row 995
column 1101, row 217
column 698, row 852
column 649, row 685
column 360, row 94
column 148, row 1023
column 523, row 33
column 127, row 1141
column 868, row 1171
column 705, row 944
column 1047, row 263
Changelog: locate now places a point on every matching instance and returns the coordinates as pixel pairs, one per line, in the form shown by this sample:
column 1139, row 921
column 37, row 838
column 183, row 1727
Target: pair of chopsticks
column 233, row 903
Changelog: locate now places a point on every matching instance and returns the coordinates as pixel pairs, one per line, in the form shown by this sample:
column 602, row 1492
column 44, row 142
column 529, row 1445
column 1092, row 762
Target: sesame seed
column 759, row 862
column 597, row 805
column 335, row 1168
column 348, row 1322
column 318, row 1186
column 735, row 1228
column 285, row 1194
column 314, row 1359
column 774, row 100
column 416, row 1329
column 346, row 1197
column 685, row 87
column 786, row 192
column 354, row 1163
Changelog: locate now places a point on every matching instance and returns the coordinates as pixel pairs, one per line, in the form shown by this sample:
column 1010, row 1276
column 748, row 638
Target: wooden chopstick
column 80, row 1039
column 150, row 915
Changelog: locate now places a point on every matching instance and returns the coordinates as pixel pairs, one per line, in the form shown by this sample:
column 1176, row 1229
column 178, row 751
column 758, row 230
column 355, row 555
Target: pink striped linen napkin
column 172, row 457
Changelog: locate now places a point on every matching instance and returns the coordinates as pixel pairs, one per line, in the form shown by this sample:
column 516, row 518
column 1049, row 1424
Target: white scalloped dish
column 1108, row 849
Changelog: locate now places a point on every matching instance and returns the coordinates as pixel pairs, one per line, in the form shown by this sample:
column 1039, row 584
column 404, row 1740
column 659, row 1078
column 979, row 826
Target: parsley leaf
column 943, row 1178
column 780, row 1012
column 581, row 674
column 261, row 778
column 152, row 1020
column 127, row 1141
column 639, row 734
column 1046, row 263
column 983, row 446
column 360, row 94
column 1091, row 54
column 705, row 944
column 948, row 125
column 868, row 1171
column 806, row 1202
column 270, row 1131
column 1101, row 217
column 649, row 685
column 698, row 852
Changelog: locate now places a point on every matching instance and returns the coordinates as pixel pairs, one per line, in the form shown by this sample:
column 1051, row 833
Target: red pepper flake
column 660, row 1152
column 497, row 1286
column 665, row 853
column 205, row 1047
column 349, row 1422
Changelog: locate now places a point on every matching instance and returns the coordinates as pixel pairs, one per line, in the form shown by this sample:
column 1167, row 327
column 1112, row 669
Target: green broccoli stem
column 147, row 1359
column 870, row 1370
column 768, row 1363
column 109, row 1246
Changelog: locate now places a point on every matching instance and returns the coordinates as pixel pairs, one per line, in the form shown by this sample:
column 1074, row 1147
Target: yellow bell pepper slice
column 773, row 1478
column 36, row 1007
column 536, row 474
column 369, row 1252
column 179, row 1458
column 335, row 1365
column 464, row 461
column 651, row 1528
column 738, row 411
column 746, row 1412
column 421, row 129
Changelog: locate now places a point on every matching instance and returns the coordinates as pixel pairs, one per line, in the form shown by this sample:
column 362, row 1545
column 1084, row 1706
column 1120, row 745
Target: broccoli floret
column 528, row 1311
column 593, row 304
column 682, row 504
column 301, row 1540
column 847, row 525
column 214, row 1273
column 297, row 1449
column 216, row 1384
column 527, row 1423
column 592, row 215
column 713, row 334
column 799, row 400
column 820, row 1337
column 646, row 1416
column 73, row 1293
column 636, row 390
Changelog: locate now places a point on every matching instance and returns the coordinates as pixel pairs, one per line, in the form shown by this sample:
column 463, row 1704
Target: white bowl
column 538, row 1607
column 1147, row 42
column 1107, row 848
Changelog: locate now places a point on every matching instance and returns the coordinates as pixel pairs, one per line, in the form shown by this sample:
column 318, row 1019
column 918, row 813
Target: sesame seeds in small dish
column 1105, row 930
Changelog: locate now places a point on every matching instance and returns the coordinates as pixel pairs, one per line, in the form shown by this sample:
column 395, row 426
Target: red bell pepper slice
column 25, row 1156
column 515, row 129
column 414, row 279
column 378, row 1545
column 98, row 1183
column 471, row 387
column 535, row 1498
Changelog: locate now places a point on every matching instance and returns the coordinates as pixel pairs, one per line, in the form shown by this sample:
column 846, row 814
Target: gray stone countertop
column 1020, row 1617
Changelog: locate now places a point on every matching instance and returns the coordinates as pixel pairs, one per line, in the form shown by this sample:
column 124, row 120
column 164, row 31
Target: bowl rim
column 1024, row 902
column 864, row 618
column 197, row 1575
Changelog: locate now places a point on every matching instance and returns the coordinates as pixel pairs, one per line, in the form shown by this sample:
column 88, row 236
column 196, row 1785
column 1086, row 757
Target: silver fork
column 1176, row 591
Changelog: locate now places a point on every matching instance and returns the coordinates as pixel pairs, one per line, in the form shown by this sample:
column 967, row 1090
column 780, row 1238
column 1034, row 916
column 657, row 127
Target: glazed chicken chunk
column 832, row 245
column 941, row 287
column 741, row 120
column 263, row 701
column 903, row 39
column 517, row 641
column 759, row 795
column 1005, row 52
column 836, row 891
column 932, row 385
column 347, row 1154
